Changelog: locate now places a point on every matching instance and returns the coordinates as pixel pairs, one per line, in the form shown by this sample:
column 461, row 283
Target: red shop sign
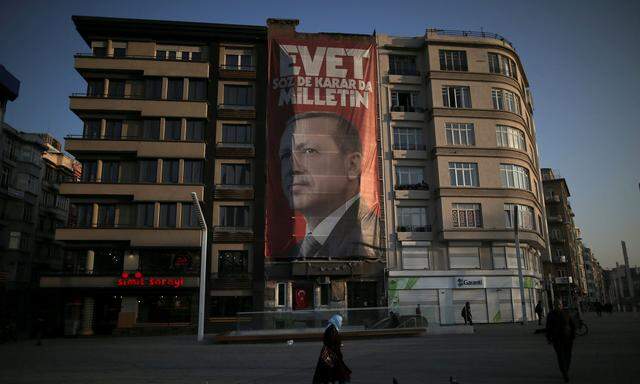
column 138, row 280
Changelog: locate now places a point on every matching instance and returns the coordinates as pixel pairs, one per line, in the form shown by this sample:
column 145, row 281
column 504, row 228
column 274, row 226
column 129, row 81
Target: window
column 236, row 133
column 113, row 129
column 193, row 172
column 174, row 88
column 196, row 56
column 232, row 263
column 324, row 294
column 506, row 257
column 91, row 129
column 456, row 97
column 509, row 137
column 167, row 215
column 504, row 100
column 128, row 172
column 99, row 48
column 453, row 60
column 28, row 209
column 106, row 215
column 14, row 240
column 234, row 216
column 116, row 88
column 148, row 171
column 463, row 174
column 416, row 257
column 281, row 294
column 240, row 60
column 153, row 88
column 84, row 215
column 161, row 54
column 172, row 128
column 460, row 133
column 126, row 215
column 195, row 130
column 89, row 171
column 235, row 174
column 5, row 176
column 404, row 101
column 408, row 139
column 526, row 218
column 240, row 95
column 109, row 172
column 150, row 129
column 95, row 87
column 145, row 215
column 410, row 176
column 502, row 64
column 197, row 89
column 412, row 219
column 464, row 257
column 402, row 65
column 170, row 171
column 189, row 216
column 514, row 176
column 466, row 215
column 119, row 49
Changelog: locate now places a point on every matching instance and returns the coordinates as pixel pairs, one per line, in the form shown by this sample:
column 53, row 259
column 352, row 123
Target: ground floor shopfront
column 442, row 295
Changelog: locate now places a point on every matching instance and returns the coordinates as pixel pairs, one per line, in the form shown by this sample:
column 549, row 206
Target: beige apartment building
column 459, row 152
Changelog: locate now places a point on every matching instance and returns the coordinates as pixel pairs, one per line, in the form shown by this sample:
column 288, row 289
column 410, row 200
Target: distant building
column 565, row 271
column 617, row 288
column 594, row 276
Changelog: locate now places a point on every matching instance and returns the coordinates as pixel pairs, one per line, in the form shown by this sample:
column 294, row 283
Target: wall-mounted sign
column 138, row 280
column 468, row 282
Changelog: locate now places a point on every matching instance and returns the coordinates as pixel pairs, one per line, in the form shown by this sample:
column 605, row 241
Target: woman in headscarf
column 331, row 368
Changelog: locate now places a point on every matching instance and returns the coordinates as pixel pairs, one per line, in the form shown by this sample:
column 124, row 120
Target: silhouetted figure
column 539, row 312
column 39, row 330
column 599, row 309
column 561, row 331
column 395, row 321
column 331, row 367
column 466, row 314
column 608, row 308
column 419, row 315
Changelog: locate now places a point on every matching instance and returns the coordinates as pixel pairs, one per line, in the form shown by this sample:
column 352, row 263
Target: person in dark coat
column 539, row 312
column 331, row 367
column 466, row 314
column 561, row 330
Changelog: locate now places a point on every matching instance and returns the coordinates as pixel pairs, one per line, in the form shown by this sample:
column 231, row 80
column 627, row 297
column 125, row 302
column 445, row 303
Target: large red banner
column 323, row 187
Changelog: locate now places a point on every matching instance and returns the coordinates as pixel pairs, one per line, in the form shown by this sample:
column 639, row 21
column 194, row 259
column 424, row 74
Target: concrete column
column 179, row 209
column 183, row 129
column 99, row 171
column 316, row 296
column 165, row 87
column 156, row 215
column 159, row 171
column 289, row 299
column 87, row 316
column 105, row 92
column 94, row 215
column 109, row 47
column 163, row 122
column 103, row 127
column 90, row 260
column 185, row 89
column 180, row 171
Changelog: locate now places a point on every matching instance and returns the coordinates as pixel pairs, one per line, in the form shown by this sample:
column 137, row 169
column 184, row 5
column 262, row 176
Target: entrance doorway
column 107, row 309
column 361, row 294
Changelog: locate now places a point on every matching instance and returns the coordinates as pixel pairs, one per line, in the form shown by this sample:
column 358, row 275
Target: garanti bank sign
column 468, row 282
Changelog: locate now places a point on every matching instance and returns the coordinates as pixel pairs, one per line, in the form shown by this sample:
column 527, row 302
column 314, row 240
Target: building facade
column 594, row 277
column 169, row 109
column 618, row 288
column 460, row 152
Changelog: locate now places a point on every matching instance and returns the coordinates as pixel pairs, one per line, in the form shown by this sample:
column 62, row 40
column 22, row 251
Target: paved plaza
column 508, row 353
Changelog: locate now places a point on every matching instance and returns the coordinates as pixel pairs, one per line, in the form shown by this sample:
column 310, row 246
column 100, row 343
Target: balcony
column 414, row 232
column 405, row 77
column 135, row 237
column 236, row 112
column 140, row 192
column 407, row 112
column 559, row 259
column 555, row 219
column 147, row 65
column 89, row 103
column 233, row 234
column 412, row 191
column 233, row 192
column 135, row 145
column 563, row 280
column 227, row 149
column 415, row 151
column 552, row 199
column 232, row 72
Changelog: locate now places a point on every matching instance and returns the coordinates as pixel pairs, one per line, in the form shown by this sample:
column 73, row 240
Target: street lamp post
column 203, row 264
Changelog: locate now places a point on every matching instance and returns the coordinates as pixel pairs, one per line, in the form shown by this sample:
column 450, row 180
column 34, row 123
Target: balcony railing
column 124, row 226
column 413, row 187
column 129, row 138
column 414, row 228
column 406, row 108
column 137, row 57
column 73, row 179
column 410, row 147
column 406, row 72
column 224, row 228
column 245, row 68
column 480, row 34
column 130, row 96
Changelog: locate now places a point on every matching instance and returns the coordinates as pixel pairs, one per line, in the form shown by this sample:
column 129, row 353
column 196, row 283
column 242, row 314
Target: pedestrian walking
column 331, row 367
column 466, row 314
column 539, row 312
column 561, row 331
column 419, row 315
column 395, row 320
column 599, row 309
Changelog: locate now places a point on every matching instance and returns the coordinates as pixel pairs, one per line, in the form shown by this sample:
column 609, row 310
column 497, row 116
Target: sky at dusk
column 581, row 59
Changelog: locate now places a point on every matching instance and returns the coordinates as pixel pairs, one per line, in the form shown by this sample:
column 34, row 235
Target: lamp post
column 203, row 264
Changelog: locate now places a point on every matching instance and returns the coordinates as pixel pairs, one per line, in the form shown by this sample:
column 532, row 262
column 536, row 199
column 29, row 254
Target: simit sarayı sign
column 138, row 280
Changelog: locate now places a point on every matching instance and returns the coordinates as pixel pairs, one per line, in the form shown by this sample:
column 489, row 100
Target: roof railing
column 480, row 34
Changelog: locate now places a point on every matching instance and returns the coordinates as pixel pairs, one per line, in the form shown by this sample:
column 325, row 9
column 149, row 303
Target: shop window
column 165, row 309
column 230, row 305
column 281, row 294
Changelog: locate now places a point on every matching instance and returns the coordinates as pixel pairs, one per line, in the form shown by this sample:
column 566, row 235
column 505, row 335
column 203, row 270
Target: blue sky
column 581, row 58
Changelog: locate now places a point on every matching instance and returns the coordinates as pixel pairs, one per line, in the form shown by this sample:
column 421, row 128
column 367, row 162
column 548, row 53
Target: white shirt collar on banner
column 324, row 228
